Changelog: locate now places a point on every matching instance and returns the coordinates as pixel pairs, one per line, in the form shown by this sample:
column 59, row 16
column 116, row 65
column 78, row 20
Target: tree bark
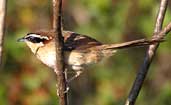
column 2, row 26
column 60, row 67
column 149, row 54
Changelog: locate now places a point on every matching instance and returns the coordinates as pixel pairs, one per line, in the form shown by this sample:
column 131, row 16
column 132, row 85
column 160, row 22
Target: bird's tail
column 134, row 43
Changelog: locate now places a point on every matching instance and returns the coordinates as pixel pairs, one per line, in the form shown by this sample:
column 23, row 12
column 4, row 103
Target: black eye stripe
column 35, row 39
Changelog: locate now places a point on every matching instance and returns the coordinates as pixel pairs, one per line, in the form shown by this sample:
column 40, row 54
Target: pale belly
column 48, row 59
column 74, row 60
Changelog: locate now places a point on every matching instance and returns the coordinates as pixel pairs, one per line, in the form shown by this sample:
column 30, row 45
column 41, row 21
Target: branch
column 2, row 23
column 60, row 67
column 150, row 54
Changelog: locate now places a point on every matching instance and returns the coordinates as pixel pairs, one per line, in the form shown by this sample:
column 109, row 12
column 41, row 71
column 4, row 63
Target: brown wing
column 74, row 41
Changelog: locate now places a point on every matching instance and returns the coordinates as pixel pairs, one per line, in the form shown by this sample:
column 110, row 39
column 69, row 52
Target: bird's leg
column 67, row 87
column 77, row 74
column 66, row 77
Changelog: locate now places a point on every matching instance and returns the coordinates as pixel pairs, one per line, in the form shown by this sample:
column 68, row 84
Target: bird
column 80, row 51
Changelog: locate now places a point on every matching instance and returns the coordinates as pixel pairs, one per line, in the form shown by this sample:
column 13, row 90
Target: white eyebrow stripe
column 38, row 36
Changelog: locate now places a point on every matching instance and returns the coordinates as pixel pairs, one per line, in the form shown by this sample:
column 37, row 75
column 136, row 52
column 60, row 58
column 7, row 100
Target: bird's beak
column 21, row 39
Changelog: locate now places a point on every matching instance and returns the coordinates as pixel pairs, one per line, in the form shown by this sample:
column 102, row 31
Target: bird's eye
column 35, row 39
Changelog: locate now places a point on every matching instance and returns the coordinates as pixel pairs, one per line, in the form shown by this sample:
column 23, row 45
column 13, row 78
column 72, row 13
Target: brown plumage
column 80, row 50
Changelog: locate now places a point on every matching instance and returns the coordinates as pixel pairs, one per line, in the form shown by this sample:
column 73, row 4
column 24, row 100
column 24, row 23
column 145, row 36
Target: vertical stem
column 148, row 58
column 60, row 67
column 2, row 24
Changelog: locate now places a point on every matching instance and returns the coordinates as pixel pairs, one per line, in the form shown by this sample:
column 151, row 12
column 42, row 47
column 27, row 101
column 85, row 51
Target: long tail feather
column 135, row 43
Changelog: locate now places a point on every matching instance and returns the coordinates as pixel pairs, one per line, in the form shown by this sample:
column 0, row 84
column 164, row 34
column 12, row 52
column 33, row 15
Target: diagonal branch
column 60, row 67
column 2, row 24
column 150, row 54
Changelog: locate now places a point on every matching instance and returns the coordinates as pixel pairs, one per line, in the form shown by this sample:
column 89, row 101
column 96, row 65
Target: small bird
column 80, row 51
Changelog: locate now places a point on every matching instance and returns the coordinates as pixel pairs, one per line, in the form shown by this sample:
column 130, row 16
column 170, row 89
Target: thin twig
column 150, row 54
column 2, row 23
column 60, row 67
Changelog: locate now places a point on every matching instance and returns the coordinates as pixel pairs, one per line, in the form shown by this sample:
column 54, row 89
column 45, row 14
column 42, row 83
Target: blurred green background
column 26, row 81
